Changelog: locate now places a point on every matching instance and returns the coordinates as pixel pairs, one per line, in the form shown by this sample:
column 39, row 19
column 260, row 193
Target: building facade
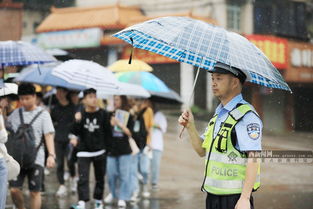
column 278, row 28
column 11, row 28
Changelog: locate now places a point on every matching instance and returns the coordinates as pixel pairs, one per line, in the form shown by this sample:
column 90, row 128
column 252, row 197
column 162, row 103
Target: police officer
column 230, row 143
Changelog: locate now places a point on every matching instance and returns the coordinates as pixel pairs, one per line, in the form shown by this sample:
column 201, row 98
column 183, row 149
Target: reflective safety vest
column 225, row 166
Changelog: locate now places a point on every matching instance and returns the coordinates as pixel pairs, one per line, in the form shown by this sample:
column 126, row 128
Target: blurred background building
column 283, row 30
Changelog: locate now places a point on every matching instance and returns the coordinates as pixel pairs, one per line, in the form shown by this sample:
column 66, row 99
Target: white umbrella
column 57, row 52
column 9, row 88
column 130, row 90
column 88, row 74
column 125, row 89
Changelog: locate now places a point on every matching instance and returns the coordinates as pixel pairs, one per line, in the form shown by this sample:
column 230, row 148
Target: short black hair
column 89, row 91
column 26, row 89
column 39, row 95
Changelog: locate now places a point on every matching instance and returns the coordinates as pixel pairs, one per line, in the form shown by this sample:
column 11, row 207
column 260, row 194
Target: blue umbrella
column 145, row 79
column 202, row 45
column 45, row 77
column 14, row 53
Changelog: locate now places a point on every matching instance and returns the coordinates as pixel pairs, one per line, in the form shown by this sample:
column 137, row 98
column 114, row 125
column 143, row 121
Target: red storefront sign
column 274, row 48
column 146, row 56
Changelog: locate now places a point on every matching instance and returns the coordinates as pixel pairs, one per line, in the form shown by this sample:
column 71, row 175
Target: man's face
column 28, row 101
column 60, row 94
column 90, row 100
column 222, row 84
column 75, row 98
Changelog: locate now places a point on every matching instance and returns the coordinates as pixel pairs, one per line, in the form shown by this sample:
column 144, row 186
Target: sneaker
column 109, row 199
column 134, row 197
column 62, row 191
column 73, row 184
column 145, row 191
column 79, row 205
column 66, row 176
column 121, row 204
column 47, row 172
column 98, row 205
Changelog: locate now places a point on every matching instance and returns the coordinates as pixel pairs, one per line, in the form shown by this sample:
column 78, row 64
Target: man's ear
column 236, row 82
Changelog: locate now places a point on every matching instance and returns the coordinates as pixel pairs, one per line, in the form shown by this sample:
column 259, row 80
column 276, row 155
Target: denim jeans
column 155, row 166
column 144, row 165
column 3, row 183
column 118, row 173
column 134, row 184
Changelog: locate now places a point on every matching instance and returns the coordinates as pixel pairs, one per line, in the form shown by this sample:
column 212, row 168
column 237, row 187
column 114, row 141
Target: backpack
column 140, row 132
column 22, row 145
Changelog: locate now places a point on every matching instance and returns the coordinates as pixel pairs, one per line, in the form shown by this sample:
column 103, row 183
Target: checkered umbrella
column 14, row 53
column 202, row 45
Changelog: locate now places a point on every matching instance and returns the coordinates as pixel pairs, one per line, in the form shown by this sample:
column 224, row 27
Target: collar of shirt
column 230, row 105
column 31, row 111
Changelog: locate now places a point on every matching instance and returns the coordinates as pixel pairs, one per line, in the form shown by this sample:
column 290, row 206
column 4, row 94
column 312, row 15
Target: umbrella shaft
column 191, row 95
column 193, row 87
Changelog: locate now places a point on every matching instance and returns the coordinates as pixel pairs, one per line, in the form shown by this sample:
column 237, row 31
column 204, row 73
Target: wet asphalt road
column 284, row 185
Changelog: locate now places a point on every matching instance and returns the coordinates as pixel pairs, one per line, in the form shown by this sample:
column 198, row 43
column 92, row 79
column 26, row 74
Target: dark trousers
column 99, row 164
column 224, row 201
column 62, row 150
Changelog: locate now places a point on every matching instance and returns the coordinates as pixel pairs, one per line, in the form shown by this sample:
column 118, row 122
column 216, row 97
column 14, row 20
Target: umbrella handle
column 181, row 132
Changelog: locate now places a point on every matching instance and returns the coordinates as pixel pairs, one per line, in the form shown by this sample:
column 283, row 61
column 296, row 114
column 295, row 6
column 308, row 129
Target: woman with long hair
column 119, row 153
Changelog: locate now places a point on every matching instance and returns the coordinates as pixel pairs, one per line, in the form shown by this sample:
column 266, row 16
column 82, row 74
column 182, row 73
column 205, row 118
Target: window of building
column 233, row 17
column 287, row 19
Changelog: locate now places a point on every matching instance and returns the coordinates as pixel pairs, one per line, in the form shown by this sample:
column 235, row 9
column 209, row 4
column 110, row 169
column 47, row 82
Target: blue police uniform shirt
column 248, row 129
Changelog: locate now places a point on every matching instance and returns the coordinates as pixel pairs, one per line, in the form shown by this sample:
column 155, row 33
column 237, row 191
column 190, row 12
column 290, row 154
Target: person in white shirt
column 157, row 145
column 3, row 167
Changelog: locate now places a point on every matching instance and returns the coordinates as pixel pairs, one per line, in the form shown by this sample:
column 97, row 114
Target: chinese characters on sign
column 302, row 57
column 71, row 39
column 300, row 68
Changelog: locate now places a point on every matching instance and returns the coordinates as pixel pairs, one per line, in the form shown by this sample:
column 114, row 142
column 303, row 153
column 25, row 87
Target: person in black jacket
column 92, row 127
column 62, row 115
column 119, row 154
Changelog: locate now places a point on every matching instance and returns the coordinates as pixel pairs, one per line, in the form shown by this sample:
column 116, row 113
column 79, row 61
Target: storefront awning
column 105, row 17
column 138, row 19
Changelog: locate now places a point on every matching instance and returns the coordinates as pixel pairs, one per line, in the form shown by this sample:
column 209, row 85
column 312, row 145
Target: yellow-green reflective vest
column 225, row 166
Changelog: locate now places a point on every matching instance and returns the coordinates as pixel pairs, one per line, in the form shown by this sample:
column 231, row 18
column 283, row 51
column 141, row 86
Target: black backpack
column 139, row 132
column 22, row 145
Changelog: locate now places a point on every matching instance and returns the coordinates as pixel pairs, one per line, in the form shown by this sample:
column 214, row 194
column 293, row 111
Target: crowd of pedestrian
column 124, row 144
